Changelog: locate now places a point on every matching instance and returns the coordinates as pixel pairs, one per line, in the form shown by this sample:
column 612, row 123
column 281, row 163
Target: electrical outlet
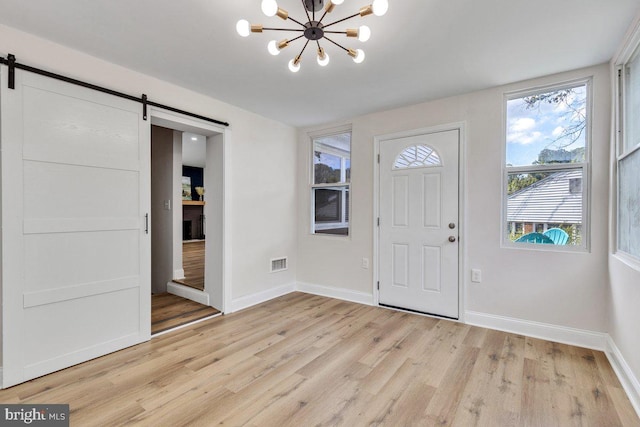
column 476, row 275
column 365, row 262
column 167, row 205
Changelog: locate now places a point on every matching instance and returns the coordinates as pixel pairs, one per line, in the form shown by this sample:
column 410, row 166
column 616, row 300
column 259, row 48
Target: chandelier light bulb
column 337, row 2
column 323, row 58
column 243, row 28
column 364, row 33
column 380, row 7
column 359, row 56
column 269, row 7
column 272, row 47
column 294, row 65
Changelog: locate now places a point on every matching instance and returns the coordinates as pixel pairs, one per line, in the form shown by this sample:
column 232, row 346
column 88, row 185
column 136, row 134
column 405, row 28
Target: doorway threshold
column 393, row 307
column 175, row 328
column 169, row 311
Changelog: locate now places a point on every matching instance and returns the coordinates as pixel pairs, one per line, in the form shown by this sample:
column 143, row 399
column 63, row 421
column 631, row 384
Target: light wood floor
column 169, row 311
column 303, row 360
column 193, row 264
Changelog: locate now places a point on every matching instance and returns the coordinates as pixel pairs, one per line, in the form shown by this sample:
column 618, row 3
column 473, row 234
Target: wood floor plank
column 590, row 390
column 193, row 261
column 628, row 417
column 538, row 407
column 496, row 377
column 303, row 360
column 446, row 399
column 397, row 404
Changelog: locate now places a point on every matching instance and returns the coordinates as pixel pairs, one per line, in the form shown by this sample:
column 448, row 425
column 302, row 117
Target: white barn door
column 418, row 266
column 75, row 248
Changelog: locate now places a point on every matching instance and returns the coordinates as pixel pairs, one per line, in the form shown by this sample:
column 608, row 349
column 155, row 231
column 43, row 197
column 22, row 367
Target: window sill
column 545, row 247
column 628, row 260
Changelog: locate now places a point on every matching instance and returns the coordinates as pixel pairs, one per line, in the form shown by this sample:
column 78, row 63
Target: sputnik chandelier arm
column 314, row 30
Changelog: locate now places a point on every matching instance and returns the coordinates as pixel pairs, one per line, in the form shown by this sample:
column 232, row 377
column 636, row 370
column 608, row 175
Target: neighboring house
column 552, row 202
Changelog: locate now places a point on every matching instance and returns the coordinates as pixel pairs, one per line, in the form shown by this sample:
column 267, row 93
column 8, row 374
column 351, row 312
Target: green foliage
column 325, row 174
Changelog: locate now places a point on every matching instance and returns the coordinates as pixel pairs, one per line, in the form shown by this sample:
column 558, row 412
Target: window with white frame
column 628, row 158
column 330, row 185
column 546, row 167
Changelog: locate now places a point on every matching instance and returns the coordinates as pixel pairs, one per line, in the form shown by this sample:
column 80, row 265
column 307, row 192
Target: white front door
column 75, row 247
column 418, row 253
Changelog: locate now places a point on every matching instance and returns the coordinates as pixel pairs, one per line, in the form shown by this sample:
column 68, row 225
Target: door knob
column 452, row 225
column 452, row 239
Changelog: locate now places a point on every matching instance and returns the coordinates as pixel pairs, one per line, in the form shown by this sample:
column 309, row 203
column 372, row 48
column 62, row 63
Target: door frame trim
column 462, row 243
column 176, row 121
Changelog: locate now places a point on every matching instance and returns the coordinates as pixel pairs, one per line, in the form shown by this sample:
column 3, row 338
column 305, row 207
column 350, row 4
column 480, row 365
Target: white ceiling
column 194, row 150
column 420, row 50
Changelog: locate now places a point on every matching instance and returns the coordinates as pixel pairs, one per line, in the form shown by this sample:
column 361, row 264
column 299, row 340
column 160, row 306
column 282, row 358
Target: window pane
column 632, row 103
column 547, row 128
column 332, row 159
column 331, row 210
column 629, row 205
column 331, row 165
column 540, row 204
column 326, row 168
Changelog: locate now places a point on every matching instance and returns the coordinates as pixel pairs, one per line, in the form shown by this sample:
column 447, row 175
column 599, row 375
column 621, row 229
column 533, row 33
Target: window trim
column 585, row 166
column 622, row 151
column 312, row 186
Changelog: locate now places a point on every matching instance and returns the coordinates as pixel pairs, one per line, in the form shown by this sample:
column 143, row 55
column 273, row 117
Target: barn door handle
column 146, row 223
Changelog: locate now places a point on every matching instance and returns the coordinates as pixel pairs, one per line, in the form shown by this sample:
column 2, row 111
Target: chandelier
column 314, row 30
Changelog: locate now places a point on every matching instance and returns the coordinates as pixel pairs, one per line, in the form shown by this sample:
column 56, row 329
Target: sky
column 530, row 130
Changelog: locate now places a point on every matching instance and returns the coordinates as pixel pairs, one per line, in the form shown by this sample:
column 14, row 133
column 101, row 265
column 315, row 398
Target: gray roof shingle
column 549, row 200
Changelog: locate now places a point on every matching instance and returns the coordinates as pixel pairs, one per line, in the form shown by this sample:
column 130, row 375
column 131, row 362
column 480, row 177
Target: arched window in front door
column 417, row 156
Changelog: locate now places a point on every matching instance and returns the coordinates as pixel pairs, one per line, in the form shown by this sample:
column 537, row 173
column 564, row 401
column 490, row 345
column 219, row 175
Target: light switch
column 476, row 275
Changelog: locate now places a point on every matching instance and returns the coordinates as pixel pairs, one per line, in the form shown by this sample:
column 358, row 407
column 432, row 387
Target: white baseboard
column 188, row 293
column 338, row 293
column 546, row 331
column 628, row 380
column 260, row 297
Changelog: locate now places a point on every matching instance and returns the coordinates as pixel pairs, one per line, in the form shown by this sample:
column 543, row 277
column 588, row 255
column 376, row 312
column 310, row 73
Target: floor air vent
column 278, row 264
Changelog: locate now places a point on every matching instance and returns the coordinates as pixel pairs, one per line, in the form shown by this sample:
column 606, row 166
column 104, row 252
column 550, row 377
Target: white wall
column 263, row 170
column 559, row 288
column 178, row 270
column 264, row 200
column 161, row 219
column 624, row 311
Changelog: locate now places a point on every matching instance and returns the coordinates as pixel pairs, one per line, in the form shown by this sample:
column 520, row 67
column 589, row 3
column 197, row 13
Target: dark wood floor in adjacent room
column 303, row 360
column 169, row 311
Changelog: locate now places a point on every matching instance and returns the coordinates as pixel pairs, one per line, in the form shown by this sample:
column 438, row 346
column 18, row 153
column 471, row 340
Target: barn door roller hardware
column 10, row 61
